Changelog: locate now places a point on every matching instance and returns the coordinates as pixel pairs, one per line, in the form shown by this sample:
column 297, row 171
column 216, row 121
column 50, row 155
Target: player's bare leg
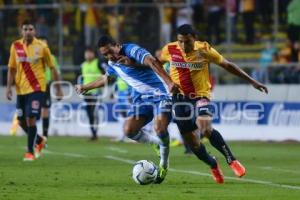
column 217, row 141
column 132, row 129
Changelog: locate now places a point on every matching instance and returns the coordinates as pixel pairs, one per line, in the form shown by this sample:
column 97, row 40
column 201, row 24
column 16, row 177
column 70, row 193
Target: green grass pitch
column 74, row 169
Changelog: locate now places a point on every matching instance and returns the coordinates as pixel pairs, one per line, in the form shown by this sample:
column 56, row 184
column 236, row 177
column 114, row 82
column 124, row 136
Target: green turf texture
column 76, row 169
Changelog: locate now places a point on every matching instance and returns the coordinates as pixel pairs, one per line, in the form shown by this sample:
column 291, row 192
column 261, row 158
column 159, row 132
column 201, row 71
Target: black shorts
column 186, row 110
column 46, row 103
column 29, row 105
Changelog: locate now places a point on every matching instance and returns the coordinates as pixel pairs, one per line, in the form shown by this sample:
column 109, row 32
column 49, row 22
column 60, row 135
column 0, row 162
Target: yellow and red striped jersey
column 30, row 62
column 190, row 71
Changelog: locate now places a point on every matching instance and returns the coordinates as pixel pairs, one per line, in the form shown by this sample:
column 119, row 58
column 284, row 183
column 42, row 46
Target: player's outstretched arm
column 10, row 80
column 100, row 82
column 234, row 69
column 158, row 68
column 55, row 77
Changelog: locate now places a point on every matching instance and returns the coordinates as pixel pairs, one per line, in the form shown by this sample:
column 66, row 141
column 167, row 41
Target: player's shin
column 202, row 154
column 32, row 132
column 219, row 143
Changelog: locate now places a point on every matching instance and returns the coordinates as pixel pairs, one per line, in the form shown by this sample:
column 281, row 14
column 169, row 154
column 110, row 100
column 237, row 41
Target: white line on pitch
column 116, row 149
column 76, row 155
column 207, row 174
column 269, row 168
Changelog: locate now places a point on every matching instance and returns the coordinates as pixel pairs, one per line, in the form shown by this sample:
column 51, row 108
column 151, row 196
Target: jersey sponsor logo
column 27, row 59
column 202, row 102
column 194, row 66
column 175, row 56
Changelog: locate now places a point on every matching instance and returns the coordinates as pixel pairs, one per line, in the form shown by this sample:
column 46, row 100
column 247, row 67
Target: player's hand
column 125, row 60
column 79, row 89
column 173, row 88
column 260, row 87
column 9, row 94
column 59, row 94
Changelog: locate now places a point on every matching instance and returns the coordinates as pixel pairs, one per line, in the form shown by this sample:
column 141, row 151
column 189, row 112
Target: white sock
column 164, row 149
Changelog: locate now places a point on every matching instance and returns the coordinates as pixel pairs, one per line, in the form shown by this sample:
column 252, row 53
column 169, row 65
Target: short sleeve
column 214, row 56
column 110, row 71
column 48, row 58
column 165, row 55
column 12, row 63
column 136, row 53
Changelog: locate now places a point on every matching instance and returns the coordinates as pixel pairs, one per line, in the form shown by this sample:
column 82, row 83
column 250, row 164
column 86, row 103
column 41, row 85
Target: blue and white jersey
column 144, row 81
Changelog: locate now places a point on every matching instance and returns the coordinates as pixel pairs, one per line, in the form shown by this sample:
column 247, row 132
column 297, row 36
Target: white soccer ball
column 144, row 172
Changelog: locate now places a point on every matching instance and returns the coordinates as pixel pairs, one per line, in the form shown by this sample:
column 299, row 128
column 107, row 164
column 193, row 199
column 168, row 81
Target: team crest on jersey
column 35, row 104
column 175, row 57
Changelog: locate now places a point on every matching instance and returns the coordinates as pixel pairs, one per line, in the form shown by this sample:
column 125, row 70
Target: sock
column 202, row 154
column 45, row 126
column 142, row 137
column 218, row 142
column 23, row 125
column 164, row 148
column 31, row 138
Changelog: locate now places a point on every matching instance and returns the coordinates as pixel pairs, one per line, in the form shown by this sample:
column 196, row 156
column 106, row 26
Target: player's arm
column 100, row 82
column 11, row 73
column 49, row 61
column 234, row 69
column 218, row 59
column 10, row 81
column 159, row 69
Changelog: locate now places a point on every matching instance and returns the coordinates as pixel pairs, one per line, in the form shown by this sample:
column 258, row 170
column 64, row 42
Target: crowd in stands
column 250, row 22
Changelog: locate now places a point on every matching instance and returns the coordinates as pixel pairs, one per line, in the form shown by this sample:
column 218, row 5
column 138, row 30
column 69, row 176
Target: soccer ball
column 144, row 172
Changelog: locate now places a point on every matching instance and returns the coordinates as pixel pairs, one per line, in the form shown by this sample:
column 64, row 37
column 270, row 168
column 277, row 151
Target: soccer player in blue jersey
column 150, row 93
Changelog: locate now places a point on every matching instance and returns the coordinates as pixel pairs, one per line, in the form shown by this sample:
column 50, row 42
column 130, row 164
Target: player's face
column 186, row 42
column 111, row 52
column 28, row 32
column 89, row 55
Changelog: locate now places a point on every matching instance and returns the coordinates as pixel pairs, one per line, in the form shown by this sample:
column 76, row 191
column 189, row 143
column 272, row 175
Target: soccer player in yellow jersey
column 27, row 62
column 189, row 60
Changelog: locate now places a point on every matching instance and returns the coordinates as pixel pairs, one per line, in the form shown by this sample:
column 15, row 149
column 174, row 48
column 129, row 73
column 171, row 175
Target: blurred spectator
column 42, row 28
column 215, row 9
column 198, row 10
column 166, row 27
column 266, row 58
column 294, row 20
column 184, row 16
column 247, row 10
column 280, row 74
column 115, row 23
column 232, row 6
column 265, row 10
column 67, row 16
column 91, row 23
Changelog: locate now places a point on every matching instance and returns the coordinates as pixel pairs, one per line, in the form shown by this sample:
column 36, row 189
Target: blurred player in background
column 189, row 60
column 91, row 70
column 28, row 59
column 46, row 104
column 150, row 94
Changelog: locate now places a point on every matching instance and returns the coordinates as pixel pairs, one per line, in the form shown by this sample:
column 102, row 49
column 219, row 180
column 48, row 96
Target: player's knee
column 206, row 132
column 129, row 130
column 160, row 128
